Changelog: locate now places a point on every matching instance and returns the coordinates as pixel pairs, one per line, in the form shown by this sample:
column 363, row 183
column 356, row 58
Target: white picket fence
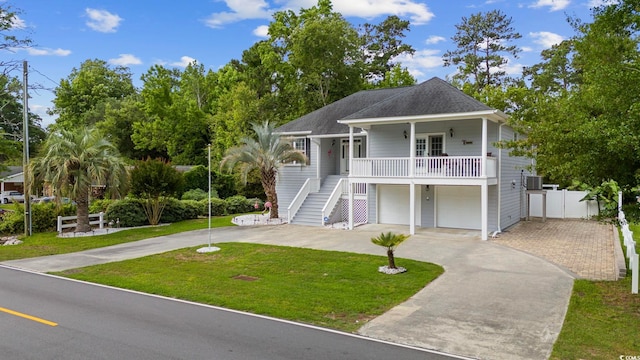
column 631, row 251
column 64, row 224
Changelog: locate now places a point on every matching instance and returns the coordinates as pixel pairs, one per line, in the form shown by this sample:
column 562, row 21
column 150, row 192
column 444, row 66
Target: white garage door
column 393, row 204
column 458, row 207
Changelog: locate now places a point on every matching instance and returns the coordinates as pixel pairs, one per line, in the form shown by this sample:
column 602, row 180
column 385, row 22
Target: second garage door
column 458, row 207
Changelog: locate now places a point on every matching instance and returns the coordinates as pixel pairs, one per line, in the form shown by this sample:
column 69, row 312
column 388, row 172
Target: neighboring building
column 422, row 155
column 12, row 179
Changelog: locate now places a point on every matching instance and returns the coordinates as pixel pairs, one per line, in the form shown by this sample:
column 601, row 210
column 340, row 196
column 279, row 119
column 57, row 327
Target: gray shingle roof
column 434, row 96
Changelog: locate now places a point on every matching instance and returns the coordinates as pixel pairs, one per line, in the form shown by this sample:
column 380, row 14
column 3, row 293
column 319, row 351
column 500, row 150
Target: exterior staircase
column 310, row 212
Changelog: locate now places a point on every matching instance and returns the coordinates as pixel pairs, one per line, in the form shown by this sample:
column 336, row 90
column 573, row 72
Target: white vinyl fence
column 563, row 204
column 63, row 221
column 631, row 251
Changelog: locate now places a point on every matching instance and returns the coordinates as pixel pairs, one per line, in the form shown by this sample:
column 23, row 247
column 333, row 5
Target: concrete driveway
column 492, row 302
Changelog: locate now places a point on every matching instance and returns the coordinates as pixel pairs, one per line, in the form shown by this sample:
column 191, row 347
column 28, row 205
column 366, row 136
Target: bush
column 198, row 194
column 632, row 213
column 129, row 211
column 218, row 207
column 238, row 205
column 99, row 205
column 177, row 210
column 200, row 208
column 44, row 217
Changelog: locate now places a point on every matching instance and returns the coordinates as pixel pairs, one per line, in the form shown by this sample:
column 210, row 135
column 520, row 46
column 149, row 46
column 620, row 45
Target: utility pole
column 25, row 150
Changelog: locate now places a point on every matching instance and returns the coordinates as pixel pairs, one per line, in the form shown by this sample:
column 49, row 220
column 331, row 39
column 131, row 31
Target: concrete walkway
column 492, row 302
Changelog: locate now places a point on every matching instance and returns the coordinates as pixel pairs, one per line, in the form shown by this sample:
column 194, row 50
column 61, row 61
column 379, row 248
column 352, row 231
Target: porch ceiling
column 366, row 123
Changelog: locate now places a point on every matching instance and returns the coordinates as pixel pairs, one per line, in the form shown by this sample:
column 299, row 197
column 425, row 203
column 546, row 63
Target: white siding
column 513, row 169
column 292, row 177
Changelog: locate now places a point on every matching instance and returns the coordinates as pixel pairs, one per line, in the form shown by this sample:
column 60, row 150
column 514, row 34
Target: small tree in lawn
column 155, row 181
column 390, row 241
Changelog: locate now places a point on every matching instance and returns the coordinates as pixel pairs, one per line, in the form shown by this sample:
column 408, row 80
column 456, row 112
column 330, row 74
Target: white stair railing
column 331, row 203
column 298, row 200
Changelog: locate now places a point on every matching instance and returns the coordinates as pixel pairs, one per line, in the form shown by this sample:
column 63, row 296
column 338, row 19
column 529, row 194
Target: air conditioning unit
column 534, row 182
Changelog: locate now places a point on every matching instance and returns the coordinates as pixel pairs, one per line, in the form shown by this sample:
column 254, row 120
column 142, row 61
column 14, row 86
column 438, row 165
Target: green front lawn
column 603, row 320
column 42, row 244
column 326, row 288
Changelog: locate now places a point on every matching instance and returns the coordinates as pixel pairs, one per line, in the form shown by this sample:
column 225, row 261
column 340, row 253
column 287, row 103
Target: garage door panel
column 458, row 207
column 393, row 206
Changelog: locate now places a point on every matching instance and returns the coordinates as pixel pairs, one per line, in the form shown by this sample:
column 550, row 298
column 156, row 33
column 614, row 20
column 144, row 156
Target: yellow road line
column 33, row 318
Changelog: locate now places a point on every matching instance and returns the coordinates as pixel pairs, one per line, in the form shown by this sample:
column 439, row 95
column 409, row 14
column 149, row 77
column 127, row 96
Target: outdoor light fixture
column 451, row 133
column 405, row 134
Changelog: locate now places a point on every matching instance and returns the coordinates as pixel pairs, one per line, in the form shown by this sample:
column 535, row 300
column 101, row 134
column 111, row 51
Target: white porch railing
column 630, row 244
column 424, row 167
column 298, row 200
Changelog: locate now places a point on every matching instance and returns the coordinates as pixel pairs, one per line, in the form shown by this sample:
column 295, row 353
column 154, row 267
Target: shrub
column 218, row 207
column 239, row 204
column 99, row 205
column 129, row 211
column 200, row 208
column 632, row 213
column 44, row 217
column 198, row 194
column 177, row 210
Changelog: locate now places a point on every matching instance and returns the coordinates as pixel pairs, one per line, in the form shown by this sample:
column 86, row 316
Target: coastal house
column 423, row 156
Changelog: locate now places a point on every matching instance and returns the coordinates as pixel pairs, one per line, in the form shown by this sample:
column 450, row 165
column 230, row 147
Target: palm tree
column 266, row 153
column 72, row 161
column 390, row 241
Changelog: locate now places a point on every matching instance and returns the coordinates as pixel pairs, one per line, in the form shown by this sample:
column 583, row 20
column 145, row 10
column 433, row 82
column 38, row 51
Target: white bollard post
column 101, row 220
column 59, row 225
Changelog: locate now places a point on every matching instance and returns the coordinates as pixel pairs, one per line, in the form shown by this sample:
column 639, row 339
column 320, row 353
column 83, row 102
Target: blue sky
column 141, row 33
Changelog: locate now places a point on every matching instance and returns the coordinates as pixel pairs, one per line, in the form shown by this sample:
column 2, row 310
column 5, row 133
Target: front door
column 344, row 154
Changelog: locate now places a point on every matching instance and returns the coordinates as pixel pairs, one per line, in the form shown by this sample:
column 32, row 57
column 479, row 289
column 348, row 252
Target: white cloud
column 526, row 49
column 434, row 39
column 17, row 23
column 102, row 20
column 546, row 39
column 48, row 52
column 240, row 10
column 261, row 31
column 125, row 60
column 184, row 62
column 421, row 61
column 554, row 5
column 597, row 3
column 417, row 12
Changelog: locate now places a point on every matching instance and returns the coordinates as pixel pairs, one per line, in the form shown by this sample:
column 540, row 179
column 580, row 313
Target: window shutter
column 307, row 150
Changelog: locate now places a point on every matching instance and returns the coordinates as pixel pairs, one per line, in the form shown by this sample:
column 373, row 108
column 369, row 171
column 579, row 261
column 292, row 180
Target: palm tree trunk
column 82, row 211
column 392, row 260
column 268, row 180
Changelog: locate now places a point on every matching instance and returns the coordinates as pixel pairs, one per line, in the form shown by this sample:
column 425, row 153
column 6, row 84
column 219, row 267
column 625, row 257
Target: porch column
column 317, row 143
column 412, row 208
column 484, row 212
column 350, row 183
column 350, row 204
column 412, row 151
column 483, row 172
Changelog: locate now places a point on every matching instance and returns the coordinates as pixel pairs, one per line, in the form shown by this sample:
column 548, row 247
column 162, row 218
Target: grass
column 326, row 288
column 42, row 244
column 603, row 320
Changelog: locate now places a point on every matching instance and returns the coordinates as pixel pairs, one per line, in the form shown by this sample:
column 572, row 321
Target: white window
column 303, row 145
column 429, row 145
column 300, row 144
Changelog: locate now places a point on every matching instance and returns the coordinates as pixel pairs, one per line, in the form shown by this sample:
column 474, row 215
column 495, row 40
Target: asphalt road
column 45, row 317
